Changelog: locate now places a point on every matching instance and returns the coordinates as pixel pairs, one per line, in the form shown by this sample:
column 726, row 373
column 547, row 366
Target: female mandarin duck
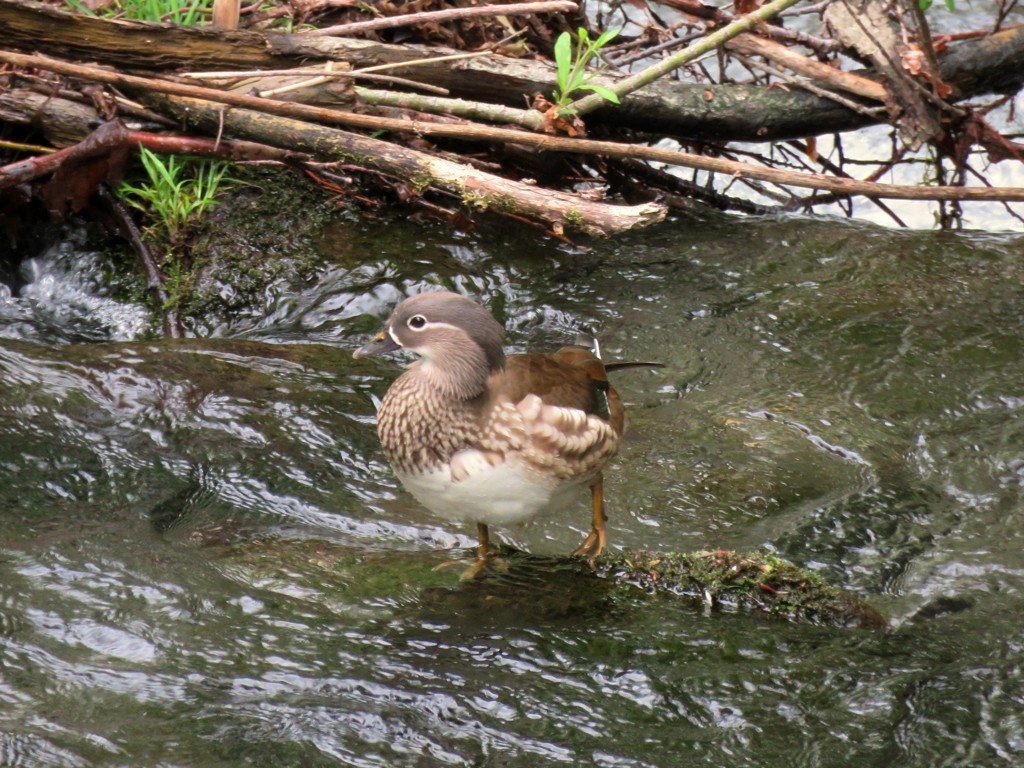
column 480, row 436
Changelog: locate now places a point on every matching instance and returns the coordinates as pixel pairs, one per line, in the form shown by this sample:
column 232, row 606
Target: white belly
column 499, row 495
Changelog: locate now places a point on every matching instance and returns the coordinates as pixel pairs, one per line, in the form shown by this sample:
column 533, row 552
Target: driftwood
column 475, row 189
column 428, row 17
column 715, row 112
column 858, row 85
column 863, row 26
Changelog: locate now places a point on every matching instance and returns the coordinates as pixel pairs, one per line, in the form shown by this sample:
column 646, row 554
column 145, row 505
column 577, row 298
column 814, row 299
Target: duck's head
column 460, row 344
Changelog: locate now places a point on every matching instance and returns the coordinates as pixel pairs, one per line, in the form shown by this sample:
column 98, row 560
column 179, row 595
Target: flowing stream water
column 205, row 560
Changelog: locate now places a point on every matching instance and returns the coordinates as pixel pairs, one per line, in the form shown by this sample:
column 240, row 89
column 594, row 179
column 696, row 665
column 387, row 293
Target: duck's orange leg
column 485, row 554
column 593, row 545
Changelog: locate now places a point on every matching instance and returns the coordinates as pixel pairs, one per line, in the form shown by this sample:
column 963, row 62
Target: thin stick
column 171, row 321
column 513, row 9
column 366, row 70
column 807, row 85
column 311, row 71
column 17, row 146
column 468, row 110
column 297, row 72
column 802, row 65
column 434, row 60
column 685, row 56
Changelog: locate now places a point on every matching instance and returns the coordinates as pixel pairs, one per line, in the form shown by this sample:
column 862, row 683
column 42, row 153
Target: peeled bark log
column 476, row 189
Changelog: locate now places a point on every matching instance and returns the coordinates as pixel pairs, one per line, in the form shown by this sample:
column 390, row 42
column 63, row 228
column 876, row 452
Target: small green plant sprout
column 572, row 67
column 178, row 190
column 186, row 12
column 924, row 5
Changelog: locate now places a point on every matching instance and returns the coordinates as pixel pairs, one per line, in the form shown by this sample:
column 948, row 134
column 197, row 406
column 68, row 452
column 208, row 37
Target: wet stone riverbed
column 205, row 561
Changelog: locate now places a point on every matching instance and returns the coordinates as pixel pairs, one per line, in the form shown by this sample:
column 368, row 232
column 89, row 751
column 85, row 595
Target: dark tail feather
column 623, row 366
column 588, row 342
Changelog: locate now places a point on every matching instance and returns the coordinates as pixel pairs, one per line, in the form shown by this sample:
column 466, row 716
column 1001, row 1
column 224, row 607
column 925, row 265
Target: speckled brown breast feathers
column 549, row 415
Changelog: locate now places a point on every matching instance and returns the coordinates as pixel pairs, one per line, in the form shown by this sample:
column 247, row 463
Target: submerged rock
column 758, row 582
column 551, row 587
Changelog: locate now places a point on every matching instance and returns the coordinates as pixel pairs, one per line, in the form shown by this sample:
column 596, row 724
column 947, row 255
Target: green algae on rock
column 548, row 587
column 759, row 582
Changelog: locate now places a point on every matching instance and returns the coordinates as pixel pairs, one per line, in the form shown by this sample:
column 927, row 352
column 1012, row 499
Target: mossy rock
column 550, row 587
column 758, row 582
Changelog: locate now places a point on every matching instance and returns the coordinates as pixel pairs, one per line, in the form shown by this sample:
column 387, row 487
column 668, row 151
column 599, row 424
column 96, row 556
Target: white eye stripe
column 427, row 324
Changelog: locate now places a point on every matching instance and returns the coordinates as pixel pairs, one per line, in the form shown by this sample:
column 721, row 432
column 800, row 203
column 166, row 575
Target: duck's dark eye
column 416, row 322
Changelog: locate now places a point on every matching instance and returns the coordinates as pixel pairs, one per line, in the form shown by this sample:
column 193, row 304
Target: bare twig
column 701, row 10
column 668, row 45
column 324, row 74
column 872, row 112
column 802, row 65
column 1005, row 6
column 387, row 22
column 469, row 110
column 837, row 170
column 430, row 60
column 171, row 321
column 688, row 54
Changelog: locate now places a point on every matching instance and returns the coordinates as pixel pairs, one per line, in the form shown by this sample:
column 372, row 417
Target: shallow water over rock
column 205, row 561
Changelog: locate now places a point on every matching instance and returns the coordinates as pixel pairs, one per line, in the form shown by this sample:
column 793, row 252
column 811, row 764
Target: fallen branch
column 322, row 73
column 171, row 322
column 718, row 17
column 752, row 45
column 866, row 30
column 100, row 143
column 529, row 119
column 705, row 45
column 476, row 189
column 408, row 19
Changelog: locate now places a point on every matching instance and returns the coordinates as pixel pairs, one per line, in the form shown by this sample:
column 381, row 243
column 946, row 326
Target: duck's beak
column 379, row 345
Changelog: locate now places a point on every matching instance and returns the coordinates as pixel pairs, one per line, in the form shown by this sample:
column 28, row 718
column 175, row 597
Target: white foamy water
column 65, row 298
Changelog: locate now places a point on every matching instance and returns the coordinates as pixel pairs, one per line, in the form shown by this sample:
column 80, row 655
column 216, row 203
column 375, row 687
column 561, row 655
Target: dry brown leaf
column 913, row 60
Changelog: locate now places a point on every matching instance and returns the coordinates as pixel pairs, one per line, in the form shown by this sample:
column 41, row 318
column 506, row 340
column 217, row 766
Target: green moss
column 575, row 218
column 557, row 587
column 262, row 233
column 421, row 182
column 476, row 200
column 760, row 582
